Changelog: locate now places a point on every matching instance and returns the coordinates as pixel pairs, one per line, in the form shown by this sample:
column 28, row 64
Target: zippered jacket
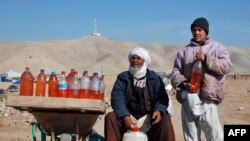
column 216, row 65
column 157, row 93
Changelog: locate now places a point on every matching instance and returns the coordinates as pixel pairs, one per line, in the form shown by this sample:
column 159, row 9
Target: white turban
column 143, row 53
column 147, row 61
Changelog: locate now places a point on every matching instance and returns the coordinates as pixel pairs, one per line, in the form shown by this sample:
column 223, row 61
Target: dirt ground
column 235, row 109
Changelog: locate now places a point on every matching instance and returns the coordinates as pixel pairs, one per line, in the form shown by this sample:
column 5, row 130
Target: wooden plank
column 49, row 103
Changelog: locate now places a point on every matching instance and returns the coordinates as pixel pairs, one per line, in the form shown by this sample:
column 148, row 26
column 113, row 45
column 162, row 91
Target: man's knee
column 110, row 116
column 166, row 119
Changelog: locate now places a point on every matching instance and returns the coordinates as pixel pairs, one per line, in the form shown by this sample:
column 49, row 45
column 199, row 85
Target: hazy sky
column 164, row 21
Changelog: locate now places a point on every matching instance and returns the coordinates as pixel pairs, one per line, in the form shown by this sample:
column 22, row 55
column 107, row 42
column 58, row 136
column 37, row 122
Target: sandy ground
column 235, row 109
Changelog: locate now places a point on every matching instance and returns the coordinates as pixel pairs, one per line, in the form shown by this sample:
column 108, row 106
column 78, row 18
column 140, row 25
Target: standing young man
column 216, row 64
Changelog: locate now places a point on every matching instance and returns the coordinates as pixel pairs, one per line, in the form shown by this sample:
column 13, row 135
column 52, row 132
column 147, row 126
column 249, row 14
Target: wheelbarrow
column 93, row 135
column 61, row 115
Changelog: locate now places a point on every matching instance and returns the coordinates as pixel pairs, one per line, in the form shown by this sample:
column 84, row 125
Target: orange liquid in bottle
column 195, row 80
column 26, row 83
column 73, row 93
column 63, row 93
column 84, row 93
column 53, row 82
column 101, row 96
column 94, row 94
column 41, row 84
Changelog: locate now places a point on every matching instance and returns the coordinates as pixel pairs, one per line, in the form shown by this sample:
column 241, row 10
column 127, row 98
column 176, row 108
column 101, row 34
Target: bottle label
column 63, row 86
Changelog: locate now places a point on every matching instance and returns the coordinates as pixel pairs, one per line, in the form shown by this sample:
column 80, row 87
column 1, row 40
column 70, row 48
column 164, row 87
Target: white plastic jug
column 135, row 135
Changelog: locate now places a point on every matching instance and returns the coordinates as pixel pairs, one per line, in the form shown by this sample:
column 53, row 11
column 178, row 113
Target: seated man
column 137, row 93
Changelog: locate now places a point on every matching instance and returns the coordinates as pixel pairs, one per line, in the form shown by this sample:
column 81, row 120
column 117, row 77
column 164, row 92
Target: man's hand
column 156, row 117
column 129, row 122
column 193, row 89
column 200, row 56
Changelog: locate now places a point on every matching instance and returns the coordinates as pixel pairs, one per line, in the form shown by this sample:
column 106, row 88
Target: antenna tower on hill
column 95, row 33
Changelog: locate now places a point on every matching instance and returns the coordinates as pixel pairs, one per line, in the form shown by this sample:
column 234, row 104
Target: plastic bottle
column 41, row 84
column 26, row 83
column 196, row 76
column 95, row 87
column 134, row 135
column 84, row 86
column 74, row 86
column 62, row 86
column 53, row 82
column 102, row 88
column 70, row 75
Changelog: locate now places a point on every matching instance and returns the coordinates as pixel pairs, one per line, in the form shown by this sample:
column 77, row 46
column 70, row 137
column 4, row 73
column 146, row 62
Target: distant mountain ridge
column 96, row 54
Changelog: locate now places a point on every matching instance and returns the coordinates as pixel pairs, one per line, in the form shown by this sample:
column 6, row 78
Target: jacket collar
column 207, row 41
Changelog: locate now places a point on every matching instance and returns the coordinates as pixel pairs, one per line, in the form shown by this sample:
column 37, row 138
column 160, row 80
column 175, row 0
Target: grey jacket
column 216, row 65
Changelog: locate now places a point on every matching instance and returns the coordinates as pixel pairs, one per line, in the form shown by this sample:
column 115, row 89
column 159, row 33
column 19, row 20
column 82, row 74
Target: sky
column 141, row 21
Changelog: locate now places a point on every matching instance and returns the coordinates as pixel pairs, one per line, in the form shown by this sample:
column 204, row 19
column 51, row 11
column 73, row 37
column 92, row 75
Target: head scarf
column 144, row 54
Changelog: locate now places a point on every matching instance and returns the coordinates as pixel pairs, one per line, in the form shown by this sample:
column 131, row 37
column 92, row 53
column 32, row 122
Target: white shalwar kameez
column 197, row 115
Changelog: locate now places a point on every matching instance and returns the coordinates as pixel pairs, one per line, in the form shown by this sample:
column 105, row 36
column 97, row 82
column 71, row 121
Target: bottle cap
column 135, row 129
column 53, row 72
column 85, row 73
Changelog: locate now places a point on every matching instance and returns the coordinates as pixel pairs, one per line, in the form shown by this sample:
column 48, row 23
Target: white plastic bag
column 144, row 123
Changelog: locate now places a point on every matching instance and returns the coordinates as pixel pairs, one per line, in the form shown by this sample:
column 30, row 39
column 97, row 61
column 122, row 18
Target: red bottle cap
column 135, row 129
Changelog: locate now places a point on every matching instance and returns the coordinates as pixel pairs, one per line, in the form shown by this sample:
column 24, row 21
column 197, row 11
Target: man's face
column 199, row 34
column 136, row 62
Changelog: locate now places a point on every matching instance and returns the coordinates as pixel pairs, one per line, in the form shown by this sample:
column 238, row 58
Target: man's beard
column 135, row 69
column 138, row 71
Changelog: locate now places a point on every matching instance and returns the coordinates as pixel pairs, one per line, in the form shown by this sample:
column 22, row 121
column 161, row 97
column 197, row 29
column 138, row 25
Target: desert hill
column 94, row 53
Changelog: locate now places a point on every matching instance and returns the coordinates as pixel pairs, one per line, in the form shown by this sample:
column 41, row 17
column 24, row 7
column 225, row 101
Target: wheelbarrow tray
column 60, row 115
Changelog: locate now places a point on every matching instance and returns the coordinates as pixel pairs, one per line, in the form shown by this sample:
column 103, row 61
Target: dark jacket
column 157, row 93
